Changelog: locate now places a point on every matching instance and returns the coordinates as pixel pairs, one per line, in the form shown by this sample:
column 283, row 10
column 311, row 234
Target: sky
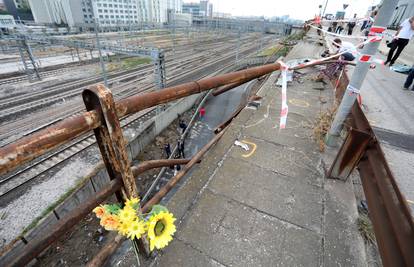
column 297, row 9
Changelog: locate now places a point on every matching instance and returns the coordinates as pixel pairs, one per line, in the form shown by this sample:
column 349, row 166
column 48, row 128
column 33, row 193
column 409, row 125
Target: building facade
column 404, row 10
column 83, row 13
column 202, row 9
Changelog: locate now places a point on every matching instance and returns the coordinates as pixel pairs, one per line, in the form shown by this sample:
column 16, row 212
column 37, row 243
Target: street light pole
column 324, row 9
column 381, row 22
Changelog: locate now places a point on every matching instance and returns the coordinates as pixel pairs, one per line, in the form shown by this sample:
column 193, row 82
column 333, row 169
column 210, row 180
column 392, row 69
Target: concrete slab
column 233, row 234
column 281, row 196
column 188, row 257
column 343, row 244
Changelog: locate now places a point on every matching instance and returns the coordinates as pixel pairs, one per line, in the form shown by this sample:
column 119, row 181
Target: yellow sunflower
column 132, row 203
column 160, row 229
column 127, row 214
column 123, row 229
column 136, row 229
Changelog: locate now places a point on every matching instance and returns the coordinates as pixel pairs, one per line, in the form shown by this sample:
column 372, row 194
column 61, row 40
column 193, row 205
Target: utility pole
column 324, row 9
column 238, row 45
column 381, row 22
column 98, row 45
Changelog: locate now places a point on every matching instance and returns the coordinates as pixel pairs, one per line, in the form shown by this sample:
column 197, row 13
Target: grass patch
column 125, row 63
column 270, row 51
column 365, row 228
column 322, row 125
column 296, row 37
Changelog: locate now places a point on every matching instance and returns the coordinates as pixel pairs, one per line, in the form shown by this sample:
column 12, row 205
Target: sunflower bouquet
column 158, row 224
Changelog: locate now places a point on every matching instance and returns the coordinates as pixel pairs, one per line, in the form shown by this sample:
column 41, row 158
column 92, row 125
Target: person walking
column 340, row 28
column 402, row 37
column 409, row 80
column 180, row 146
column 202, row 113
column 183, row 126
column 167, row 149
column 351, row 25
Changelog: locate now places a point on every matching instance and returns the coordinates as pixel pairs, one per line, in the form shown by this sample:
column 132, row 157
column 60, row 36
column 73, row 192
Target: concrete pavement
column 270, row 206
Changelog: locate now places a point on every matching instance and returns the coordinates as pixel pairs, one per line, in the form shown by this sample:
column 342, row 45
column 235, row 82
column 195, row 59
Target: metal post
column 26, row 69
column 324, row 9
column 381, row 22
column 98, row 45
column 112, row 144
column 238, row 46
column 159, row 62
column 77, row 53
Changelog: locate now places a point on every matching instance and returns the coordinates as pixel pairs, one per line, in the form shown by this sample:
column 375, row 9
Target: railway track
column 18, row 179
column 20, row 126
column 13, row 106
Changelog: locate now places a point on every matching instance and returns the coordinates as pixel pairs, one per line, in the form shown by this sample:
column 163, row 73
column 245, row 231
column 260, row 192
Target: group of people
column 339, row 26
column 403, row 36
column 180, row 142
column 400, row 40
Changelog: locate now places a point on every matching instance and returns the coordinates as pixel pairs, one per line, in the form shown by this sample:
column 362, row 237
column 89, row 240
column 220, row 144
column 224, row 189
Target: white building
column 106, row 12
column 21, row 3
column 404, row 10
column 7, row 22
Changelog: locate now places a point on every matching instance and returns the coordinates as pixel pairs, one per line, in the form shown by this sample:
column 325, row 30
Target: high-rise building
column 77, row 13
column 21, row 4
column 202, row 9
column 404, row 10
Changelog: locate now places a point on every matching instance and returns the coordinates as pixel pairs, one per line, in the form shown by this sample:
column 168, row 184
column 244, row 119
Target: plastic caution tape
column 285, row 109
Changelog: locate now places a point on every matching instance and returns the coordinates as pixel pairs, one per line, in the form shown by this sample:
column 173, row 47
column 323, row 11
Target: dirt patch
column 322, row 126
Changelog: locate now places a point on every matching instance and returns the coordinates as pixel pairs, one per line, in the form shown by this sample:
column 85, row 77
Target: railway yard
column 29, row 191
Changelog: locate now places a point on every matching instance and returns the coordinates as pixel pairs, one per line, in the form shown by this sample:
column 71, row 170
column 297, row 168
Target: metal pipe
column 152, row 164
column 171, row 183
column 227, row 87
column 28, row 148
column 36, row 246
column 110, row 247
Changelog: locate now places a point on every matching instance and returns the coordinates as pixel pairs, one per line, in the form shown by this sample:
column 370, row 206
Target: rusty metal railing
column 388, row 209
column 103, row 117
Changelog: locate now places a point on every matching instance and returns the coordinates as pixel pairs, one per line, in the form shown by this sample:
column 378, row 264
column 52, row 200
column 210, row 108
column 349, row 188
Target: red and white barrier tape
column 338, row 35
column 284, row 111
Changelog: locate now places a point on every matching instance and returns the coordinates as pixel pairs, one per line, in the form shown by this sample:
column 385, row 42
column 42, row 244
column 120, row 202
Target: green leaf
column 113, row 208
column 157, row 209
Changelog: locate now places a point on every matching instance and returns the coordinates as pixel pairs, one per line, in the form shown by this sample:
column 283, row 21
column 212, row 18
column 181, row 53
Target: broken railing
column 388, row 210
column 103, row 117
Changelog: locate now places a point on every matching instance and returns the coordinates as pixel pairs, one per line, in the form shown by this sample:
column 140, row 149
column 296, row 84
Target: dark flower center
column 159, row 228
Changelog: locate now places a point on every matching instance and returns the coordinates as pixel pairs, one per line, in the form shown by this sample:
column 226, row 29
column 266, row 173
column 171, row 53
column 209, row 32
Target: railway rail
column 15, row 181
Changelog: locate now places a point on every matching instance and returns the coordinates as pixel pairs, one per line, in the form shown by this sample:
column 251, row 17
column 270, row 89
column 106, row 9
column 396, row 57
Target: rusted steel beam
column 173, row 181
column 36, row 246
column 349, row 154
column 110, row 247
column 384, row 234
column 28, row 148
column 227, row 87
column 158, row 163
column 110, row 138
column 113, row 244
